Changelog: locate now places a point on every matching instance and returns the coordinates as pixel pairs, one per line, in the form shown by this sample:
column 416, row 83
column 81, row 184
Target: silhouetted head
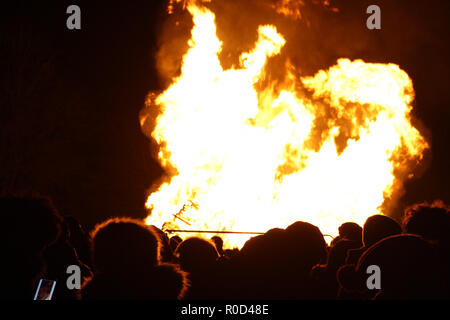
column 29, row 223
column 378, row 227
column 263, row 250
column 121, row 244
column 276, row 265
column 338, row 253
column 301, row 245
column 307, row 245
column 218, row 242
column 408, row 268
column 431, row 221
column 174, row 242
column 196, row 254
column 350, row 231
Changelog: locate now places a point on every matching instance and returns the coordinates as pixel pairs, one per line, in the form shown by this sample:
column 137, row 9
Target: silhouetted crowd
column 122, row 258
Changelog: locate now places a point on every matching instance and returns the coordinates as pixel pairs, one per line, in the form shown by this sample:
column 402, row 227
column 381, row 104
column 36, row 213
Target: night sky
column 70, row 99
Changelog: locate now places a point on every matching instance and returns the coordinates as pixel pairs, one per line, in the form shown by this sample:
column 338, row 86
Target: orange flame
column 324, row 149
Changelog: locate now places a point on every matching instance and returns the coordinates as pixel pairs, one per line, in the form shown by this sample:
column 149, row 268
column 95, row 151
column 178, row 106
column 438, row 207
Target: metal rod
column 208, row 231
column 231, row 232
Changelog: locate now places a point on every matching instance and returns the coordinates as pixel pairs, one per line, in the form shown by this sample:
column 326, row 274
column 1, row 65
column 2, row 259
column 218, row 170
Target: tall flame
column 325, row 149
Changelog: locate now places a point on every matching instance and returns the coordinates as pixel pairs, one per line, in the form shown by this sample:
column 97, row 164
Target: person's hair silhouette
column 199, row 258
column 29, row 225
column 408, row 267
column 375, row 228
column 127, row 264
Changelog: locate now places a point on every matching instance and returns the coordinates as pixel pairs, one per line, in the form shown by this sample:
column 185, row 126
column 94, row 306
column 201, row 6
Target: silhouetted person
column 432, row 222
column 29, row 225
column 127, row 261
column 199, row 258
column 174, row 242
column 252, row 273
column 351, row 231
column 277, row 265
column 375, row 228
column 58, row 257
column 324, row 275
column 408, row 270
column 218, row 242
column 79, row 239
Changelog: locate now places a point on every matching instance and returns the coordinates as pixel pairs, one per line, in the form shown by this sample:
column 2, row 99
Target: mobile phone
column 45, row 289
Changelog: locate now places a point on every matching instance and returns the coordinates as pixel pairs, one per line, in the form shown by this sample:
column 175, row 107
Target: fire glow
column 248, row 157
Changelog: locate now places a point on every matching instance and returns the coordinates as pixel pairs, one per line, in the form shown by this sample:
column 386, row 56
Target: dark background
column 70, row 99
